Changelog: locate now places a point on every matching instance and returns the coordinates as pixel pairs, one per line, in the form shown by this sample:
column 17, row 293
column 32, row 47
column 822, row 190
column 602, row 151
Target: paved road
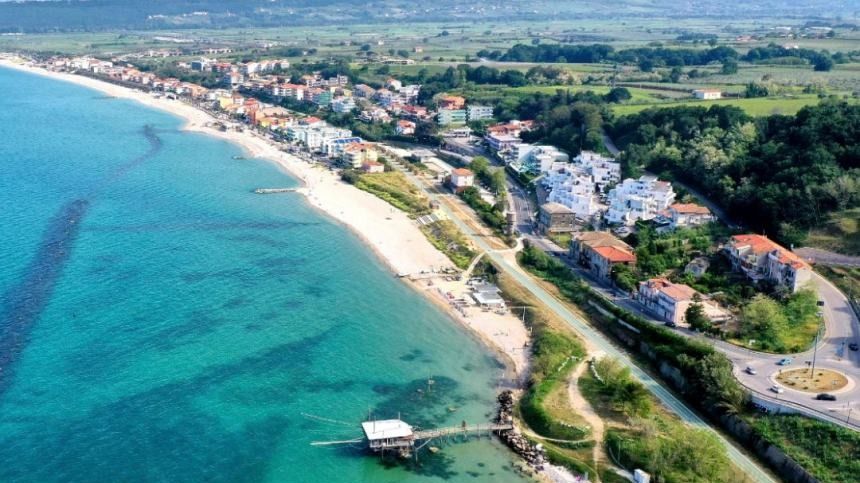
column 597, row 340
column 825, row 257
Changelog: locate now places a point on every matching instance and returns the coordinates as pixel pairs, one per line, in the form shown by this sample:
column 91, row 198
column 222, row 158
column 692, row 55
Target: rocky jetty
column 533, row 454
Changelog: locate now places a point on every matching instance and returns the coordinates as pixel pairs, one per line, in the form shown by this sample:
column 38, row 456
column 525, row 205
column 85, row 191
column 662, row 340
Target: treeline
column 647, row 58
column 821, row 61
column 594, row 53
column 778, row 174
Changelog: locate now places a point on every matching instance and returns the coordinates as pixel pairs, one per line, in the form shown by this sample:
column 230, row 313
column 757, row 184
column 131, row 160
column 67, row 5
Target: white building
column 573, row 187
column 479, row 113
column 317, row 136
column 605, row 171
column 638, row 199
column 343, row 105
column 462, row 178
column 533, row 158
column 708, row 94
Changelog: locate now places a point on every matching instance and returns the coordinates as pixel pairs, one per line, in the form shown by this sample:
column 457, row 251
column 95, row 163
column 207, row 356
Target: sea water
column 161, row 322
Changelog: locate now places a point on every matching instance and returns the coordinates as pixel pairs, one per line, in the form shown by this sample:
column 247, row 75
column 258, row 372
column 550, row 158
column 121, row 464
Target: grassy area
column 840, row 233
column 561, row 239
column 445, row 236
column 847, row 279
column 393, row 187
column 830, row 453
column 762, row 106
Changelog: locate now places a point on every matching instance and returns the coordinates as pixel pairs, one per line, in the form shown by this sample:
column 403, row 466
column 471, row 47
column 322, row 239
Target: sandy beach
column 389, row 232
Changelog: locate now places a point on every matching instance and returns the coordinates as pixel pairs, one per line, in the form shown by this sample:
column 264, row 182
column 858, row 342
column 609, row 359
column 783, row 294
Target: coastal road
column 596, row 339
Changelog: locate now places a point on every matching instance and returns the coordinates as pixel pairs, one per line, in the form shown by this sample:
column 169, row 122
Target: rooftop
column 690, row 209
column 462, row 172
column 385, row 429
column 615, row 254
column 555, row 208
column 760, row 245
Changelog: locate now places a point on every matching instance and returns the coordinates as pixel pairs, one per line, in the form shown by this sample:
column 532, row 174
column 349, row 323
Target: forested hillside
column 780, row 174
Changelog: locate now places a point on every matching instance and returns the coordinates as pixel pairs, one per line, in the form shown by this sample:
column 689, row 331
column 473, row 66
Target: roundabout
column 823, row 380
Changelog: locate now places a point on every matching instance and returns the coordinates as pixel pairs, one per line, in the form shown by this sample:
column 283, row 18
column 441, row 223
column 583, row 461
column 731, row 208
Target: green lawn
column 763, row 106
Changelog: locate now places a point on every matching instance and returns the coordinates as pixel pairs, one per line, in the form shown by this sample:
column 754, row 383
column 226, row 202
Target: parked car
column 777, row 389
column 671, row 324
column 853, row 346
column 751, row 371
column 825, row 397
column 784, row 361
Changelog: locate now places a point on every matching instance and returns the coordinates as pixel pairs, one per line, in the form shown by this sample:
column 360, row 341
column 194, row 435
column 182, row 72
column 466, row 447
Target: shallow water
column 160, row 322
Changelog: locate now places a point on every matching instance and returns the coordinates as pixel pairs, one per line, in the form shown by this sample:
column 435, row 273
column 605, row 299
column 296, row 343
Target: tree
column 822, row 63
column 479, row 165
column 730, row 67
column 624, row 277
column 618, row 94
column 763, row 319
column 695, row 315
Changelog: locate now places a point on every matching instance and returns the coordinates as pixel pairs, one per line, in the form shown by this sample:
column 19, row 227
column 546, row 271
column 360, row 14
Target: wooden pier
column 462, row 429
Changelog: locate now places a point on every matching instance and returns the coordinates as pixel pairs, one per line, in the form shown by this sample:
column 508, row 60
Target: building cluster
column 452, row 110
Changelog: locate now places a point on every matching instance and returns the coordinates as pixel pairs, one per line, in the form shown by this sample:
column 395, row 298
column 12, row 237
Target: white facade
column 573, row 188
column 534, row 158
column 604, row 170
column 638, row 199
column 707, row 94
column 480, row 113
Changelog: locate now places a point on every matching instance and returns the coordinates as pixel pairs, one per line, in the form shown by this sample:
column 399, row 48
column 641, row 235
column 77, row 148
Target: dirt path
column 584, row 409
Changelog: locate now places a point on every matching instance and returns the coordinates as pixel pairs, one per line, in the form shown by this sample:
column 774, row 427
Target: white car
column 751, row 371
column 777, row 389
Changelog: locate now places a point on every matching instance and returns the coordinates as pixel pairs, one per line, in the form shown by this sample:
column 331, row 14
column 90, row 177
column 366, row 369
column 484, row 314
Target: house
column 683, row 215
column 388, row 434
column 461, row 179
column 669, row 301
column 446, row 117
column 479, row 113
column 708, row 94
column 600, row 251
column 488, row 295
column 417, row 113
column 453, row 103
column 556, row 218
column 638, row 199
column 372, row 167
column 405, row 128
column 357, row 154
column 697, row 267
column 759, row 258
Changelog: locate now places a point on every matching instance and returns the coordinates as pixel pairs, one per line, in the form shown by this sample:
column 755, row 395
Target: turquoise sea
column 160, row 322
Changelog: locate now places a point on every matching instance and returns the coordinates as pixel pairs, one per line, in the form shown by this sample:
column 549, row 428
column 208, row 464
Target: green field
column 763, row 106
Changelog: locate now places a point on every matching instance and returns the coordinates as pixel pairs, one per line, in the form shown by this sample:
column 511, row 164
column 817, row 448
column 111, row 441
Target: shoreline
column 391, row 235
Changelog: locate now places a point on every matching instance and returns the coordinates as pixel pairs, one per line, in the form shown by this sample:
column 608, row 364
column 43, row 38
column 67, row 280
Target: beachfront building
column 317, row 135
column 669, row 301
column 556, row 218
column 600, row 251
column 479, row 113
column 638, row 199
column 461, row 178
column 573, row 188
column 759, row 258
column 500, row 142
column 447, row 117
column 357, row 154
column 372, row 167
